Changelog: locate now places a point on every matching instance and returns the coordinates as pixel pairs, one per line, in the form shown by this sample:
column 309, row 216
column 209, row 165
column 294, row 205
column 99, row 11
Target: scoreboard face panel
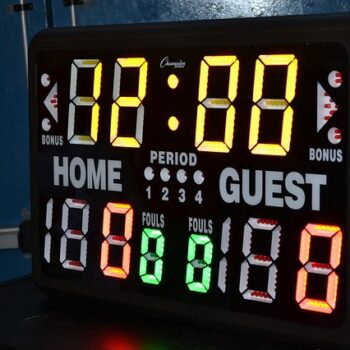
column 196, row 168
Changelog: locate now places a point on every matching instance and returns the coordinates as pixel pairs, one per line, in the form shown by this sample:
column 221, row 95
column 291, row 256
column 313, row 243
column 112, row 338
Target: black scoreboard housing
column 257, row 31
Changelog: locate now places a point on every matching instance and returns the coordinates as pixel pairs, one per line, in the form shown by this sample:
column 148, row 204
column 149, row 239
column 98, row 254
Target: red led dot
column 79, row 201
column 320, row 265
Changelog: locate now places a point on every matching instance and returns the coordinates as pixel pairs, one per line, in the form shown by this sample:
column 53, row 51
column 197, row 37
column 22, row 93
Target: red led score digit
column 74, row 234
column 68, row 233
column 253, row 259
column 335, row 234
column 118, row 240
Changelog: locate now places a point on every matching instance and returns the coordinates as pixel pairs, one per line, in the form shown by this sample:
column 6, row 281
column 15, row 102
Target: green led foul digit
column 148, row 257
column 195, row 263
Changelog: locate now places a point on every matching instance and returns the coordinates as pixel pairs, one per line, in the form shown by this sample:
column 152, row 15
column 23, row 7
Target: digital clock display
column 198, row 166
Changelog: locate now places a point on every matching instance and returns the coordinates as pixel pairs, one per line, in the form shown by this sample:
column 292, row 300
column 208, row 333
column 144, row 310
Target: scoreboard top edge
column 57, row 37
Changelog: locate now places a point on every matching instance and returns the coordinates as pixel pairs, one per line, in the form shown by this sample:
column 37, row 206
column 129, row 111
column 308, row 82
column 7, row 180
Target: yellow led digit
column 216, row 103
column 261, row 103
column 89, row 101
column 128, row 102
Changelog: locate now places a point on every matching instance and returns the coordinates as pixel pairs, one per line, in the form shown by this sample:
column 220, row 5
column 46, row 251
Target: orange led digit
column 272, row 149
column 316, row 305
column 118, row 240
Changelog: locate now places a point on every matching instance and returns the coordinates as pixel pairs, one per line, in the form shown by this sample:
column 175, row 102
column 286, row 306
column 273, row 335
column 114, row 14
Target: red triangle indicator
column 51, row 102
column 326, row 107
